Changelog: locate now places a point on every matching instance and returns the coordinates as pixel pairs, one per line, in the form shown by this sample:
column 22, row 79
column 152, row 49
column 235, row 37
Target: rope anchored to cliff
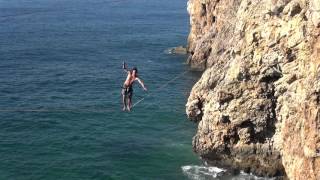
column 159, row 88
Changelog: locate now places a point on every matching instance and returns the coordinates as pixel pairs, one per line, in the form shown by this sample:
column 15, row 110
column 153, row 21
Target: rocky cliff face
column 257, row 102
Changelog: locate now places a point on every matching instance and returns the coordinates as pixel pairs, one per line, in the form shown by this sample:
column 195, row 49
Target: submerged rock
column 177, row 50
column 257, row 102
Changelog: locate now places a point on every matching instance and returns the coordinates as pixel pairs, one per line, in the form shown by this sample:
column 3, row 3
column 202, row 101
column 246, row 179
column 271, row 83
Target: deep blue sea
column 60, row 83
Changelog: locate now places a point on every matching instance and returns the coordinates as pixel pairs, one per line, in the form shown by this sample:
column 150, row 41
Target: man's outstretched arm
column 124, row 67
column 141, row 83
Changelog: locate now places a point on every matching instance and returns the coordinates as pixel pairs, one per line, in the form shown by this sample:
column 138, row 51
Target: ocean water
column 60, row 79
column 64, row 58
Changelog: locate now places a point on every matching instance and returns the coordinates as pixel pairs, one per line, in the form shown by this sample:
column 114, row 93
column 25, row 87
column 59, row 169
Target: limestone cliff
column 257, row 102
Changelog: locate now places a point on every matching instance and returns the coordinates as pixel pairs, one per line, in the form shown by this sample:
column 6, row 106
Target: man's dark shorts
column 127, row 91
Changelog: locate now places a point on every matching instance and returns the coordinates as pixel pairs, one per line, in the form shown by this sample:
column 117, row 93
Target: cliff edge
column 257, row 102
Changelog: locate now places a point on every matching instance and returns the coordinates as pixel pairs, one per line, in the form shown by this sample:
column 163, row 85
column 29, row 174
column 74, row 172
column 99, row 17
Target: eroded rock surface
column 257, row 102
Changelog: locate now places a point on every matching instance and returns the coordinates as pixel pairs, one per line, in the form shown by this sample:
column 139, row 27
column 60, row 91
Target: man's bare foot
column 124, row 108
column 128, row 108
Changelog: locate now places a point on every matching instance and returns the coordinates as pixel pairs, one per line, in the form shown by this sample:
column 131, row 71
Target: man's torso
column 130, row 80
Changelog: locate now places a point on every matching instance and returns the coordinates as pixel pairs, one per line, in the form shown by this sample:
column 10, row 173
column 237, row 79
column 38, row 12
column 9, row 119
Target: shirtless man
column 127, row 89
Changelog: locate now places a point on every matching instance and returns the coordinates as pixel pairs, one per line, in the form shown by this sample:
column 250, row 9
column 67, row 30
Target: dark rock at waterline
column 177, row 50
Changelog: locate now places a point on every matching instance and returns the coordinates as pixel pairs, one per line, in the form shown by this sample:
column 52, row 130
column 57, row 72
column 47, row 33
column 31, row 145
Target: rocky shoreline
column 257, row 102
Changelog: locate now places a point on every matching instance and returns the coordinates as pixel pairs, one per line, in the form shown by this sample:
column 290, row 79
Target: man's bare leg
column 129, row 106
column 124, row 102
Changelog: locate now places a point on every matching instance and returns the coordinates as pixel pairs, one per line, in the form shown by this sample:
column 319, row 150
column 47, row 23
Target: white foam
column 196, row 172
column 168, row 51
column 202, row 172
column 251, row 176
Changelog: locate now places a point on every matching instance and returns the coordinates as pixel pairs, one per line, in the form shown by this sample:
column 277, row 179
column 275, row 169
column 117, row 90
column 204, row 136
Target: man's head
column 135, row 70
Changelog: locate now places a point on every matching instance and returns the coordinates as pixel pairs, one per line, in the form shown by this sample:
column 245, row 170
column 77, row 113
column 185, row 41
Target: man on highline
column 127, row 90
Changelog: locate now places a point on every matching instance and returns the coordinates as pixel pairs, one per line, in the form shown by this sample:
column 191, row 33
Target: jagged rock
column 195, row 108
column 293, row 8
column 315, row 12
column 245, row 135
column 177, row 50
column 223, row 97
column 257, row 102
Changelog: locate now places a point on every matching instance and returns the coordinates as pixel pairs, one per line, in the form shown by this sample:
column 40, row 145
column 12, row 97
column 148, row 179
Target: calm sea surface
column 64, row 57
column 60, row 79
